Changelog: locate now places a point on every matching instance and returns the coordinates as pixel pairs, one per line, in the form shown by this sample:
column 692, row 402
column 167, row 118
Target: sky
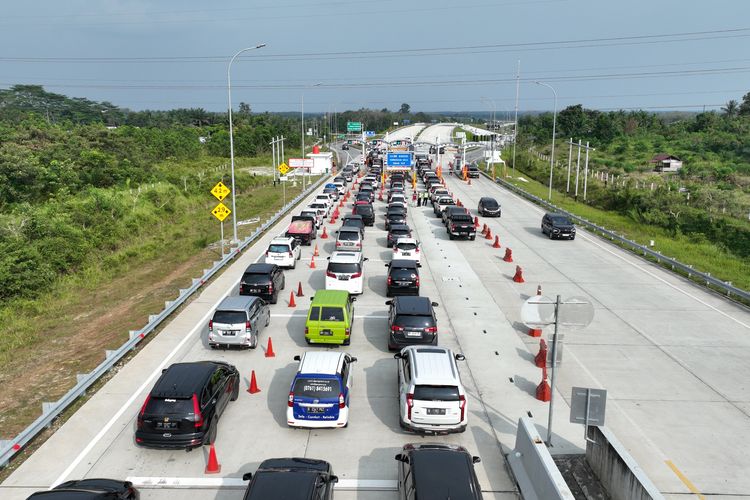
column 435, row 55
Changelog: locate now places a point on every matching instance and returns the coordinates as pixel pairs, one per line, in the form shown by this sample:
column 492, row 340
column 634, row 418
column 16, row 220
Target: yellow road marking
column 684, row 479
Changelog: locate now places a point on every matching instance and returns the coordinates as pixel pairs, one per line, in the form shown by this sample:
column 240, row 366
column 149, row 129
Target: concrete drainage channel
column 50, row 411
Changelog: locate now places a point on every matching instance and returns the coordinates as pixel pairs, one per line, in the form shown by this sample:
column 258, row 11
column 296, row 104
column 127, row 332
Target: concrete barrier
column 537, row 475
column 616, row 469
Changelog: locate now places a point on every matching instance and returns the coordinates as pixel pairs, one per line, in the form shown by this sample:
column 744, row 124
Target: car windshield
column 331, row 314
column 229, row 317
column 255, row 279
column 490, row 203
column 406, row 246
column 412, row 321
column 343, row 267
column 559, row 219
column 348, row 235
column 279, row 248
column 363, row 210
column 461, row 218
column 317, row 388
column 353, row 222
column 447, row 201
column 436, row 393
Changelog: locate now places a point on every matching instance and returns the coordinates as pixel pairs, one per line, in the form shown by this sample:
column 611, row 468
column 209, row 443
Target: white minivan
column 346, row 272
column 284, row 252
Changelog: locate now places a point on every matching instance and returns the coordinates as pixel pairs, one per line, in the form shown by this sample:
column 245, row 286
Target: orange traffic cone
column 291, row 300
column 312, row 262
column 315, row 252
column 325, row 234
column 269, row 349
column 543, row 390
column 508, row 255
column 518, row 277
column 476, row 221
column 540, row 359
column 253, row 389
column 484, row 229
column 496, row 244
column 213, row 466
column 299, row 290
column 488, row 236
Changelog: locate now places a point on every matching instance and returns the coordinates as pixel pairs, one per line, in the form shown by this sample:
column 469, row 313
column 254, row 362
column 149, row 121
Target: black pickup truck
column 461, row 226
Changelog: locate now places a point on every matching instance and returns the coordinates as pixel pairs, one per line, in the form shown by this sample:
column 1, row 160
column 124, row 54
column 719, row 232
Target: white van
column 346, row 272
column 431, row 396
column 284, row 252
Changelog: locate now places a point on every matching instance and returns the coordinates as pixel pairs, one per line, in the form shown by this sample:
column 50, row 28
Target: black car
column 394, row 218
column 396, row 231
column 291, row 479
column 366, row 211
column 411, row 320
column 89, row 489
column 363, row 196
column 451, row 210
column 461, row 226
column 354, row 221
column 432, row 470
column 344, row 147
column 488, row 207
column 403, row 277
column 558, row 226
column 369, row 191
column 183, row 408
column 264, row 281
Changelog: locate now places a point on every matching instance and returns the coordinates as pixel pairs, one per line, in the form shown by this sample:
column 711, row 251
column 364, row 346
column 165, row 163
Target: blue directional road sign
column 369, row 133
column 398, row 159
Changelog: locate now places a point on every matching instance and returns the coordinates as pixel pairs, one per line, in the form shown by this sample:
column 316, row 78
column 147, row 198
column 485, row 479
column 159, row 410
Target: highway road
column 671, row 355
column 404, row 132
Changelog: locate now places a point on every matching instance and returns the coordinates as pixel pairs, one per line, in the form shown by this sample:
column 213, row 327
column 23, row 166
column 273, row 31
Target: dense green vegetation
column 707, row 200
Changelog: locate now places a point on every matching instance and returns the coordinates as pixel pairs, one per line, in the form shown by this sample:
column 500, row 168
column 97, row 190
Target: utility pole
column 515, row 127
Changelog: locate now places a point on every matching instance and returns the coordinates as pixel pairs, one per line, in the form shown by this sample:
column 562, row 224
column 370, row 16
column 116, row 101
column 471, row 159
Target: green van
column 330, row 318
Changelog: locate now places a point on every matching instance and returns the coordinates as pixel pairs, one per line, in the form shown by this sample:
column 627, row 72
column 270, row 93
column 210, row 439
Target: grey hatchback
column 238, row 321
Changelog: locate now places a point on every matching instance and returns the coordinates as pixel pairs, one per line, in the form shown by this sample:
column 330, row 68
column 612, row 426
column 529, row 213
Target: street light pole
column 554, row 123
column 231, row 135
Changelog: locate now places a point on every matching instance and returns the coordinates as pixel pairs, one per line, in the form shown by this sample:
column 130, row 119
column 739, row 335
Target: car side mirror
column 476, row 460
column 419, row 264
column 435, row 304
column 352, row 359
column 247, row 476
column 388, row 265
column 388, row 302
column 402, row 458
column 354, row 299
column 398, row 355
column 297, row 357
column 163, row 370
column 460, row 357
column 333, row 479
column 328, row 258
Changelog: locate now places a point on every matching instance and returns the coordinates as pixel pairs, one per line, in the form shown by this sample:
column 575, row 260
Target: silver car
column 238, row 321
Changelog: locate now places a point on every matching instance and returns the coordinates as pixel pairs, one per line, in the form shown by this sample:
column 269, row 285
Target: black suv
column 354, row 221
column 403, row 277
column 89, row 489
column 291, row 479
column 433, row 470
column 366, row 211
column 558, row 226
column 183, row 408
column 411, row 320
column 395, row 216
column 396, row 231
column 264, row 281
column 488, row 207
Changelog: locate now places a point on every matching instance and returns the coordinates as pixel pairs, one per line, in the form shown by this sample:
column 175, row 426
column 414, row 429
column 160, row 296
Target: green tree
column 404, row 109
column 731, row 108
column 745, row 106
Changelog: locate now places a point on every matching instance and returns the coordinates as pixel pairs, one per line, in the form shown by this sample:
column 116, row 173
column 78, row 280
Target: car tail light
column 390, row 280
column 291, row 255
column 416, row 250
column 347, row 332
column 197, row 413
column 248, row 326
column 270, row 288
column 342, row 401
column 307, row 330
column 290, row 401
column 417, row 281
column 409, row 404
column 329, row 274
column 395, row 249
column 266, row 253
column 396, row 328
column 143, row 410
column 432, row 329
column 357, row 275
column 462, row 405
column 453, row 227
column 210, row 325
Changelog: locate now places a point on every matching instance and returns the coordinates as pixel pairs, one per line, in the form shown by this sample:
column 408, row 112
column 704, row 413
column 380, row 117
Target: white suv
column 407, row 249
column 284, row 252
column 345, row 272
column 431, row 396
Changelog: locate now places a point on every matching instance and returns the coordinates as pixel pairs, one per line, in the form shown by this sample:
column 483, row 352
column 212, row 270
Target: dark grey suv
column 291, row 479
column 432, row 470
column 488, row 207
column 411, row 320
column 558, row 226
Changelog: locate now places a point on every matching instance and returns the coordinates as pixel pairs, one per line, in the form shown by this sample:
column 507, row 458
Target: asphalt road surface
column 671, row 355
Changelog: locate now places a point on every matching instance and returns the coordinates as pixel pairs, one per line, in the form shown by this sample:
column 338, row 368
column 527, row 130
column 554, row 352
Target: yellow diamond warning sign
column 220, row 191
column 221, row 212
column 283, row 168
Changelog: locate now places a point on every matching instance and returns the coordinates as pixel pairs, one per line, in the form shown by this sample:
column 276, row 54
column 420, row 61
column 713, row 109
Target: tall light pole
column 554, row 123
column 231, row 135
column 492, row 137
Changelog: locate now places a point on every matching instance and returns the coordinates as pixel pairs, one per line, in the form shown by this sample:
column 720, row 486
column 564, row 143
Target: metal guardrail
column 706, row 279
column 50, row 411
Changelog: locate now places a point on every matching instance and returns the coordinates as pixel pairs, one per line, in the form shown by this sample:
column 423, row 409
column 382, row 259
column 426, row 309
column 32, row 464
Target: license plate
column 566, row 234
column 413, row 334
column 344, row 278
column 436, row 411
column 316, row 410
column 254, row 290
column 326, row 333
column 403, row 283
column 229, row 333
column 166, row 425
column 406, row 254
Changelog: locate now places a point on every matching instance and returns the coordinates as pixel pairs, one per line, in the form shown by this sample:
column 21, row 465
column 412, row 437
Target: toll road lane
column 667, row 351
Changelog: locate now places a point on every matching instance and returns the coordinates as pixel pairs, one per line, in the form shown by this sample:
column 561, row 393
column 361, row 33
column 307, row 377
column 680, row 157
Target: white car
column 320, row 203
column 408, row 249
column 340, row 186
column 345, row 272
column 284, row 252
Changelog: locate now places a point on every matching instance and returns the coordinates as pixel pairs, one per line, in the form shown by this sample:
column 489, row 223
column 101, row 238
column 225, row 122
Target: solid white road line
column 238, row 483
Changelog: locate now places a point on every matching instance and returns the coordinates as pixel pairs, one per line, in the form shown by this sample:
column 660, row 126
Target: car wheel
column 210, row 436
column 472, row 238
column 550, row 235
column 254, row 343
column 572, row 238
column 275, row 298
column 450, row 236
column 236, row 391
column 294, row 266
column 283, row 283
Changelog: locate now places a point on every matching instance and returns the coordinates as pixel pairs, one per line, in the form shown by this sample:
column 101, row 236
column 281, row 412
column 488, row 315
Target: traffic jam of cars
column 184, row 407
